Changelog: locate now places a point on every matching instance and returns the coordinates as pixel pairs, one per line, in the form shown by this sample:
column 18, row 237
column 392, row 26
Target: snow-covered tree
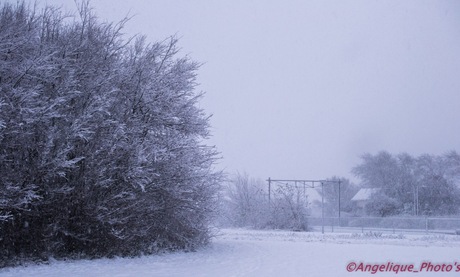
column 424, row 185
column 245, row 203
column 332, row 190
column 437, row 190
column 101, row 140
column 289, row 208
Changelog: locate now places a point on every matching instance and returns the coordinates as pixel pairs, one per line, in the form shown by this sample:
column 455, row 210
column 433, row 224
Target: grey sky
column 300, row 89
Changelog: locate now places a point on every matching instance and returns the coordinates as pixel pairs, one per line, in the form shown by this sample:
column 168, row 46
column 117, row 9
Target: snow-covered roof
column 313, row 195
column 364, row 194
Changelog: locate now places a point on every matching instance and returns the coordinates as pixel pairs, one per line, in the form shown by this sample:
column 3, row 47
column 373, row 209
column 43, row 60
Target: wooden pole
column 322, row 208
column 269, row 191
column 339, row 202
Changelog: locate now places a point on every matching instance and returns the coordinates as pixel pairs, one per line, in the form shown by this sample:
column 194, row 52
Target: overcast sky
column 301, row 89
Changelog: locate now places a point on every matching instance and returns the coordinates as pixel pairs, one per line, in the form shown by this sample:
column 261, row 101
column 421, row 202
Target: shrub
column 101, row 140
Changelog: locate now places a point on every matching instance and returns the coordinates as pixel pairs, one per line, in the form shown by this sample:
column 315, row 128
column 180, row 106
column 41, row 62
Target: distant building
column 363, row 196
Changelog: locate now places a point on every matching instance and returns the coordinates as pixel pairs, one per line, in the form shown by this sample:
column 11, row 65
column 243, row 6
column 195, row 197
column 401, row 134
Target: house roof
column 364, row 194
column 313, row 195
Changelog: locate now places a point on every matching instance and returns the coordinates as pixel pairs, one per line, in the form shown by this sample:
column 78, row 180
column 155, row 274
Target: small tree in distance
column 332, row 190
column 245, row 203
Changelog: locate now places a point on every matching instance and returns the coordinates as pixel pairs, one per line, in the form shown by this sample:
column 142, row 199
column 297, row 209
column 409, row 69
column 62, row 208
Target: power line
column 304, row 182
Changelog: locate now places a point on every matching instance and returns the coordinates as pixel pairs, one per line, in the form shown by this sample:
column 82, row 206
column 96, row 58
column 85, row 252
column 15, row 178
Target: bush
column 245, row 203
column 381, row 205
column 101, row 149
column 289, row 209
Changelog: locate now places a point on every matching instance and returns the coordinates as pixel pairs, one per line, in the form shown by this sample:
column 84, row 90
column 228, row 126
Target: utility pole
column 269, row 191
column 322, row 208
column 339, row 200
column 417, row 205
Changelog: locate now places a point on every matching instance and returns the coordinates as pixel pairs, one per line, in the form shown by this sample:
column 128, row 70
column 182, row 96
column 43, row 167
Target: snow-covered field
column 275, row 253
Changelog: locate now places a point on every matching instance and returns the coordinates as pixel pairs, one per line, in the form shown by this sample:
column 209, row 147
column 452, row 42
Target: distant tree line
column 403, row 185
column 101, row 140
column 426, row 185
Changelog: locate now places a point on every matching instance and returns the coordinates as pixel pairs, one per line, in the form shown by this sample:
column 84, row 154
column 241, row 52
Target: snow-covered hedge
column 101, row 140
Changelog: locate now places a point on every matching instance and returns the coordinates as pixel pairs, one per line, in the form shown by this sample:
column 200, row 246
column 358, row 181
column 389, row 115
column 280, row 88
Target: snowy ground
column 274, row 253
